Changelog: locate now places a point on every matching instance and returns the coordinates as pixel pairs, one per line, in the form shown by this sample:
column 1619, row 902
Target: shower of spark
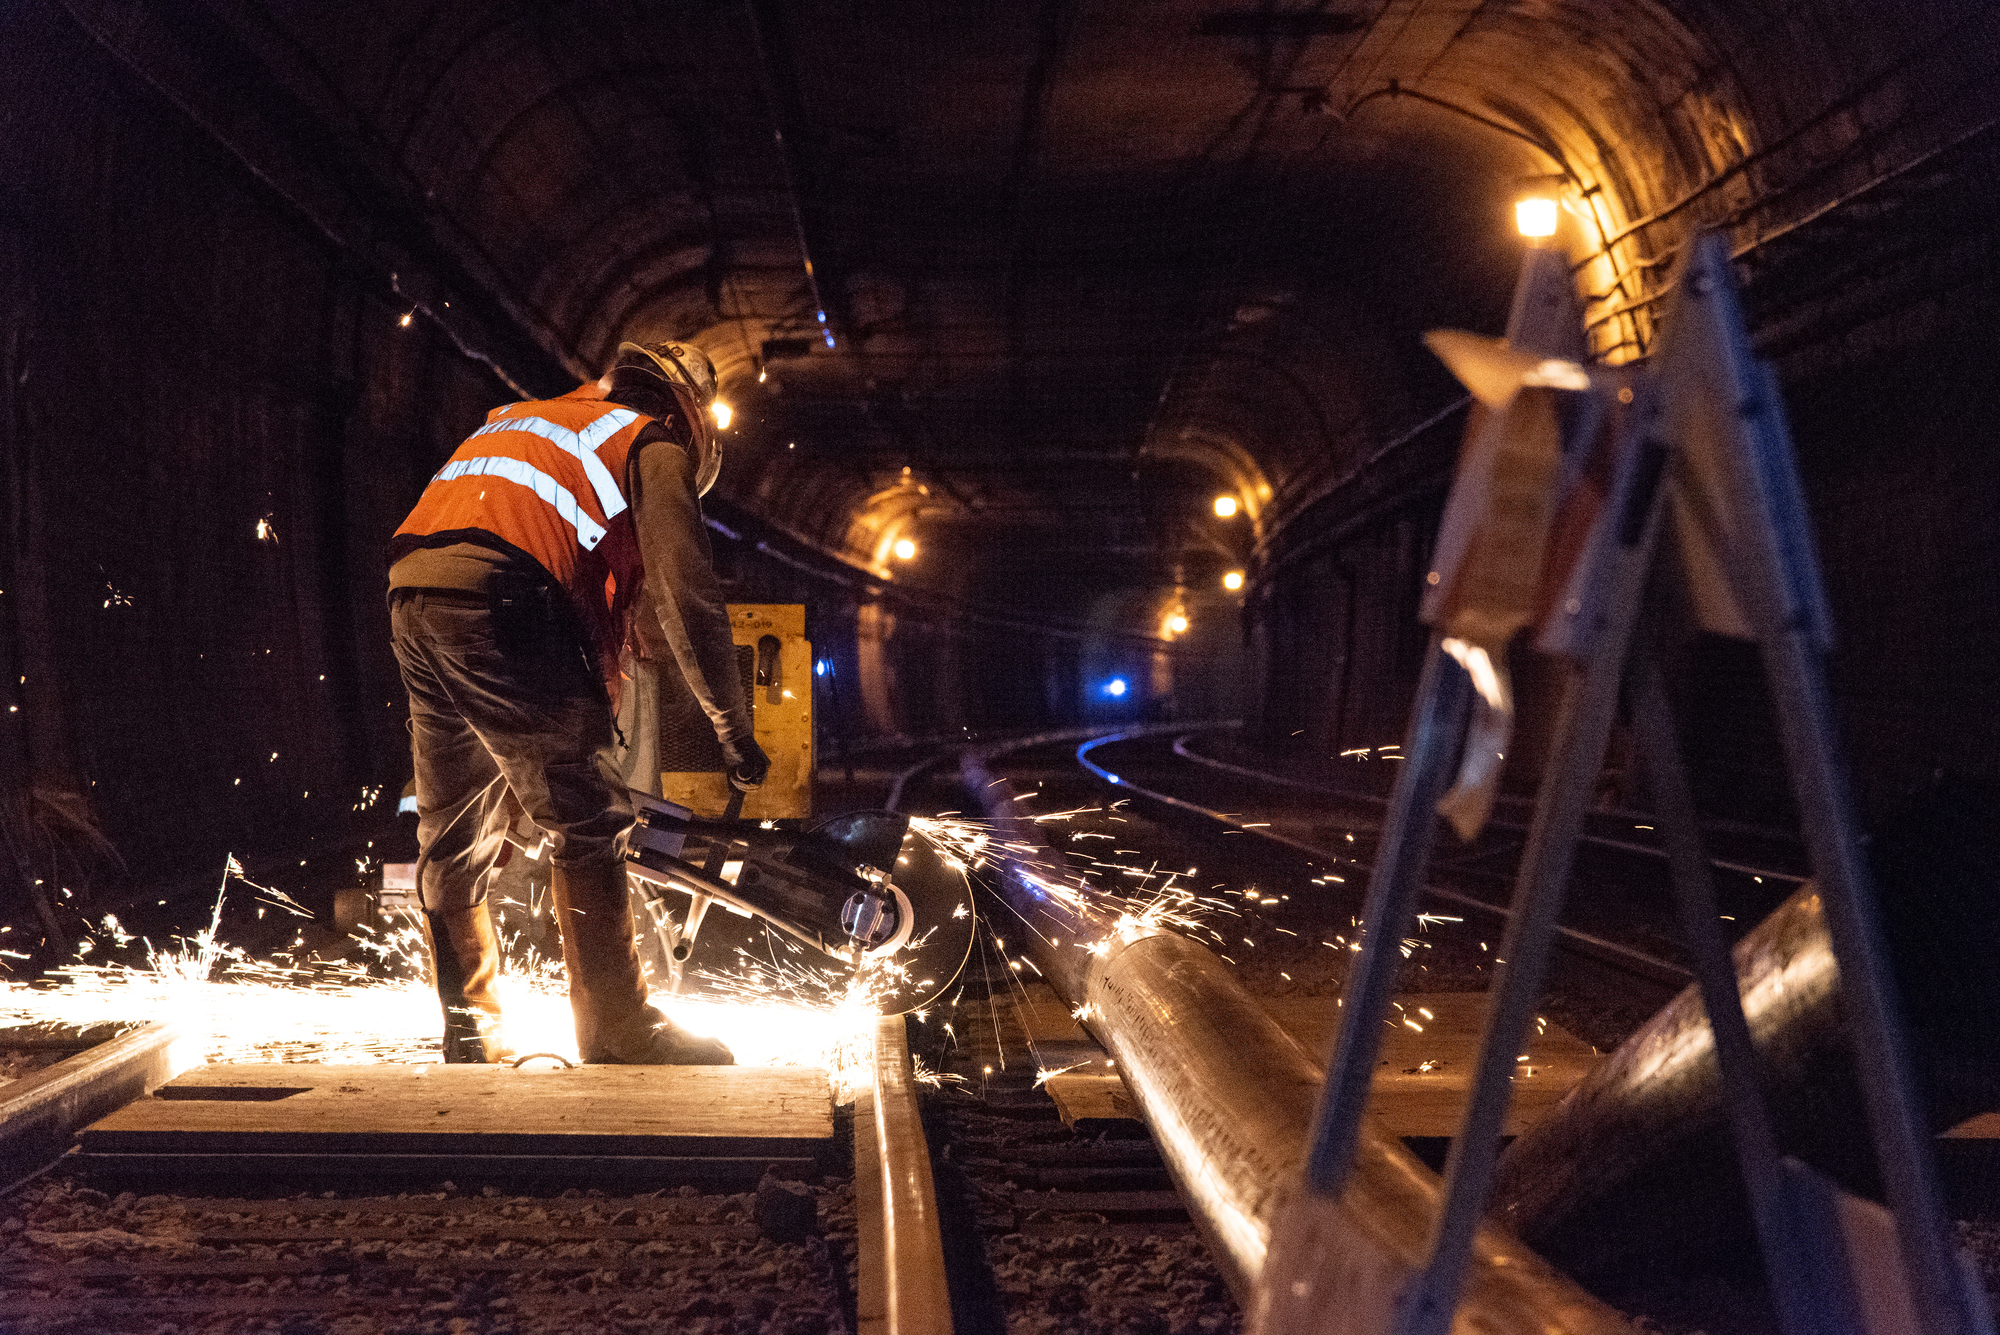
column 1139, row 901
column 294, row 1007
column 1149, row 900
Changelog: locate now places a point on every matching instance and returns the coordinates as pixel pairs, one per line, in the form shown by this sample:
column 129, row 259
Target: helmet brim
column 671, row 368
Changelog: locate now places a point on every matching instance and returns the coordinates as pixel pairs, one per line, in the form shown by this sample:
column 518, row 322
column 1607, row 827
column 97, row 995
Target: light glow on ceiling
column 1535, row 216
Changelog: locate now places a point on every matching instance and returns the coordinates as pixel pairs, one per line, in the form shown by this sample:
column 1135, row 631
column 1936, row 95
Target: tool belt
column 529, row 614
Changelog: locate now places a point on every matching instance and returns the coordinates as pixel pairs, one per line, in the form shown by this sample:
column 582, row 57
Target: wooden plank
column 546, row 1234
column 1053, row 1033
column 1092, row 1101
column 342, row 1263
column 1092, row 1096
column 679, row 1111
column 1424, row 1073
column 90, row 1312
column 1125, row 1204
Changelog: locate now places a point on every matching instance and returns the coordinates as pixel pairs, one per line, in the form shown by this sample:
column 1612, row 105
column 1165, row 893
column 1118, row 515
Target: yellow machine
column 775, row 660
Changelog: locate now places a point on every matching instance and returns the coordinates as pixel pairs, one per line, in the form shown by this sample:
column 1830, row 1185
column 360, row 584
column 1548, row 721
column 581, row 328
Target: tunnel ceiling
column 1074, row 267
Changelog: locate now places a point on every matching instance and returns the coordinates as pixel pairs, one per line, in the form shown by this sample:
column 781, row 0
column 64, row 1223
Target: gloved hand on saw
column 745, row 763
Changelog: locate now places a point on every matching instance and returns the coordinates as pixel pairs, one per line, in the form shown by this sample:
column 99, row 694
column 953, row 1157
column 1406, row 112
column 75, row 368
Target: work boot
column 607, row 993
column 465, row 959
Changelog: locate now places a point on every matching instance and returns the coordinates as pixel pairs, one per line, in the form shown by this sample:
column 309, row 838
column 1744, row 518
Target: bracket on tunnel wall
column 1700, row 442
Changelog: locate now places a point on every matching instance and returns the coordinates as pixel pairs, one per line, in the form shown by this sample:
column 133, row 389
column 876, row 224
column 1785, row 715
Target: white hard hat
column 686, row 365
column 683, row 363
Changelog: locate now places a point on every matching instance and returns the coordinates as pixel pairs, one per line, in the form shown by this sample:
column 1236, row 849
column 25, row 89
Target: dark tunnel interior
column 1029, row 286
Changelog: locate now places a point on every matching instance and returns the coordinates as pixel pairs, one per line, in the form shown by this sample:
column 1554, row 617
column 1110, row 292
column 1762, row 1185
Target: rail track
column 994, row 1206
column 86, row 1250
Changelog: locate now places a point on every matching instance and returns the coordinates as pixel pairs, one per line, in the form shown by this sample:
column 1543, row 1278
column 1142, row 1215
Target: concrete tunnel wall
column 185, row 354
column 184, row 358
column 1847, row 151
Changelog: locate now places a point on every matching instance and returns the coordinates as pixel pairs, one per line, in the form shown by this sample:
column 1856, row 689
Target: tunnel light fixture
column 722, row 413
column 1225, row 506
column 405, row 321
column 904, row 549
column 1115, row 688
column 1233, row 580
column 1535, row 216
column 1178, row 623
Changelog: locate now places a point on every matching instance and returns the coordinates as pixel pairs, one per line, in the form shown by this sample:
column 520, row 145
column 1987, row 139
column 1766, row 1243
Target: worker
column 512, row 588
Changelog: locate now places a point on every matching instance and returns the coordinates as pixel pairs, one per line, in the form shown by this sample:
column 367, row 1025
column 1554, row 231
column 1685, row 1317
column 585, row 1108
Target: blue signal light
column 821, row 668
column 1115, row 688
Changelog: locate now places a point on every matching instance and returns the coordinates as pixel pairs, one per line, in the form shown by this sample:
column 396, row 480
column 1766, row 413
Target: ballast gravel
column 75, row 1259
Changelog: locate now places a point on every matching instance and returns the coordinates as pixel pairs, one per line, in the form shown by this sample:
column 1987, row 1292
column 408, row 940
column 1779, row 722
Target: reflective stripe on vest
column 580, row 445
column 588, row 531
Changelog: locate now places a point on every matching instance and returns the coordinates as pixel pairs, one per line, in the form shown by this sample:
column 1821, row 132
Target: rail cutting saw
column 859, row 894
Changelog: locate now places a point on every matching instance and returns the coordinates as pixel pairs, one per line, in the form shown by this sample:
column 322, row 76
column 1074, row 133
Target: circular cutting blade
column 741, row 956
column 915, row 974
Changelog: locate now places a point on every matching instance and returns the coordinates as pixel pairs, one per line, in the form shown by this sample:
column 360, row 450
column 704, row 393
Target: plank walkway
column 301, row 1119
column 1421, row 1080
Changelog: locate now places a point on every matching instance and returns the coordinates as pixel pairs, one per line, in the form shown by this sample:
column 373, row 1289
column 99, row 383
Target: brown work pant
column 502, row 704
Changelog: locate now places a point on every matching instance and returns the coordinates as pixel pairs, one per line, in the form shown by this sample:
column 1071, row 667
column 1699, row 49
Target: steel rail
column 1622, row 957
column 1500, row 822
column 1229, row 1098
column 40, row 1113
column 988, row 750
column 986, row 753
column 902, row 1288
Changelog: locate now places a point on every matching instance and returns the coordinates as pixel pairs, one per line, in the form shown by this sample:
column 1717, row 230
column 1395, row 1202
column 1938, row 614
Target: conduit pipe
column 1229, row 1097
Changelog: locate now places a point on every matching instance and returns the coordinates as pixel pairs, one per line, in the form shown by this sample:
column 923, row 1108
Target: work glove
column 745, row 762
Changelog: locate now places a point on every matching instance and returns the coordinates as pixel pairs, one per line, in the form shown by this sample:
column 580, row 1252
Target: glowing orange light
column 1535, row 216
column 904, row 549
column 1233, row 580
column 1225, row 507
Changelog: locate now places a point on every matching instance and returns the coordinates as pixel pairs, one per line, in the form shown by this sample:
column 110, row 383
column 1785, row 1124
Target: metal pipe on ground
column 1634, row 1165
column 1229, row 1097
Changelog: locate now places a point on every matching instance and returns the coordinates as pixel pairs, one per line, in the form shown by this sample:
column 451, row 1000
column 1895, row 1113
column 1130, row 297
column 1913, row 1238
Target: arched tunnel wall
column 213, row 416
column 211, row 423
column 1861, row 202
column 211, row 420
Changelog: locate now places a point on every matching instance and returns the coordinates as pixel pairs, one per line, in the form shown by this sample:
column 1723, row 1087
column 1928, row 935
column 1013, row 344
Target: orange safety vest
column 548, row 480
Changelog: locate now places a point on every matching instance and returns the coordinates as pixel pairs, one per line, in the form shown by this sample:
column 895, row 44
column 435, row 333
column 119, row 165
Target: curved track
column 1045, row 1218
